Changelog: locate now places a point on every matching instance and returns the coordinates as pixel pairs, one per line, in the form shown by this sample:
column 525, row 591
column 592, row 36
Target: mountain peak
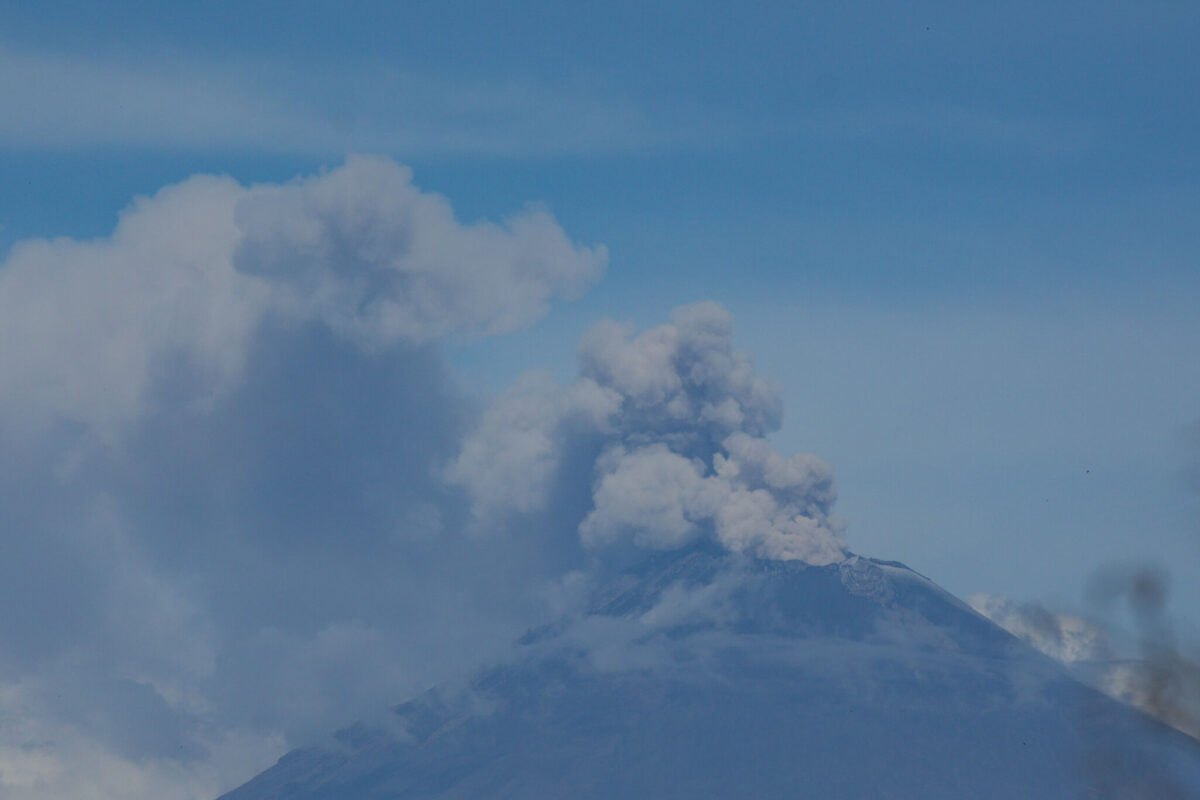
column 706, row 674
column 708, row 589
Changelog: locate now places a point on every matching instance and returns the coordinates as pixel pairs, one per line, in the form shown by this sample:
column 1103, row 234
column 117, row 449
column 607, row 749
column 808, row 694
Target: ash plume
column 668, row 427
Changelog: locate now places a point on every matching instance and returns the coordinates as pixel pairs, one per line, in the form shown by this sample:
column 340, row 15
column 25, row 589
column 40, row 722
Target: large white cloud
column 84, row 325
column 87, row 327
column 380, row 261
column 221, row 430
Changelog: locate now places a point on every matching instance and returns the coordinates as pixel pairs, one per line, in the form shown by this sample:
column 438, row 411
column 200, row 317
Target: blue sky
column 962, row 239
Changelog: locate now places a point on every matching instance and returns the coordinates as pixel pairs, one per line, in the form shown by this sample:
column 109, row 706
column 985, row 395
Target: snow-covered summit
column 701, row 674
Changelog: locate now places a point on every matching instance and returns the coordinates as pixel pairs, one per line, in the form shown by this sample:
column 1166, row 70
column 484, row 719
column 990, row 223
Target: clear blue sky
column 962, row 238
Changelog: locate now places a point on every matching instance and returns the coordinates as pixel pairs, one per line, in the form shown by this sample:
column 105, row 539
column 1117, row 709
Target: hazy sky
column 252, row 480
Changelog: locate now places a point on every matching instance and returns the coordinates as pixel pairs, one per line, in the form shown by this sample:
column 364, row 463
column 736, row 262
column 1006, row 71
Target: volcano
column 705, row 674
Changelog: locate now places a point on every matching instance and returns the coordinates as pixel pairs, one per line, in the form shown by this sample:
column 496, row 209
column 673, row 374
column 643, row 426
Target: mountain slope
column 707, row 675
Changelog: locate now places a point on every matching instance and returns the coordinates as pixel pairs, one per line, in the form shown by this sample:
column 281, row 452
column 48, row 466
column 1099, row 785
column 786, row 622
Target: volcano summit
column 704, row 674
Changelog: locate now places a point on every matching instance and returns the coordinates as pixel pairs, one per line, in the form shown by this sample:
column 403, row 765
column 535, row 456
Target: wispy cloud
column 978, row 129
column 52, row 100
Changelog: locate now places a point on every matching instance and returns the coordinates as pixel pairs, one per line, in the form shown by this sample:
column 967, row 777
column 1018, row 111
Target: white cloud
column 510, row 460
column 84, row 324
column 86, row 327
column 979, row 128
column 380, row 261
column 220, row 430
column 42, row 760
column 151, row 99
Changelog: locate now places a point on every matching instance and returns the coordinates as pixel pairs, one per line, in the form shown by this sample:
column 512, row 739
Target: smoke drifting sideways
column 667, row 426
column 1066, row 638
column 1164, row 681
column 1155, row 677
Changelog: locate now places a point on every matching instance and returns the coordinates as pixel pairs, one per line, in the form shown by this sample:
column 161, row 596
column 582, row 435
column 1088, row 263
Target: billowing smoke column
column 676, row 418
